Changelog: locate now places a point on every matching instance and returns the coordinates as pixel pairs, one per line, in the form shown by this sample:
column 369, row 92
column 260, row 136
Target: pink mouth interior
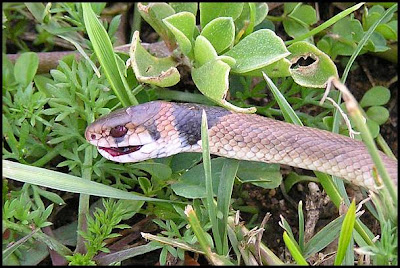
column 117, row 151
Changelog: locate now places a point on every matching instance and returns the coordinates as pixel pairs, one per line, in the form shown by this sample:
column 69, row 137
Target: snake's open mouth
column 117, row 151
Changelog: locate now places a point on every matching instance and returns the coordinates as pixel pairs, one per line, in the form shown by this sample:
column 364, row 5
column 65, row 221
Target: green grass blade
column 301, row 226
column 225, row 188
column 211, row 207
column 201, row 238
column 293, row 248
column 14, row 246
column 323, row 238
column 65, row 182
column 104, row 51
column 346, row 233
column 287, row 110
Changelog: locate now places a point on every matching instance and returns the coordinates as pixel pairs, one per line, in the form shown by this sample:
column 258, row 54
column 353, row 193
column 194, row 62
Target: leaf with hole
column 152, row 70
column 317, row 69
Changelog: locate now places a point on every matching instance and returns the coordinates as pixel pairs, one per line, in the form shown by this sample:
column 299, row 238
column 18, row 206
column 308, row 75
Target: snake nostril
column 118, row 131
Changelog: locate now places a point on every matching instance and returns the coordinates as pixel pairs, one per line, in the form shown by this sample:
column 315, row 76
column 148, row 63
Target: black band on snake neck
column 188, row 120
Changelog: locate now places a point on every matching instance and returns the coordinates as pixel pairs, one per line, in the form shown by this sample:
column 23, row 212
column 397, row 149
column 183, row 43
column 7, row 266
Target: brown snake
column 159, row 129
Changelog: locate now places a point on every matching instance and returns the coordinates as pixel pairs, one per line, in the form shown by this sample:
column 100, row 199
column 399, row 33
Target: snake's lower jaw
column 117, row 155
column 129, row 154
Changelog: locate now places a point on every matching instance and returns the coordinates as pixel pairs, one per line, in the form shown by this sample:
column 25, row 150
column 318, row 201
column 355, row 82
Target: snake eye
column 118, row 131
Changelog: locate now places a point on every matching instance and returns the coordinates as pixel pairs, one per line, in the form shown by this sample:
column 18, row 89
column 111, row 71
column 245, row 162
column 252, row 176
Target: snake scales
column 159, row 129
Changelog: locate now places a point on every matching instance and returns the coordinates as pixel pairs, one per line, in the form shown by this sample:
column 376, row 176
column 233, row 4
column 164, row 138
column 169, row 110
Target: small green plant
column 100, row 227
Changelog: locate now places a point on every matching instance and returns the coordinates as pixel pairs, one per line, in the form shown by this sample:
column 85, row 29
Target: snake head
column 126, row 135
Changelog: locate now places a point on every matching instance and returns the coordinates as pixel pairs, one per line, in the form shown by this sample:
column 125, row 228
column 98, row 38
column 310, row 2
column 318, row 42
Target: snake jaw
column 118, row 151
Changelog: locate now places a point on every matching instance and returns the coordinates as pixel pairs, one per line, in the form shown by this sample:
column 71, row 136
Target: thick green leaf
column 260, row 14
column 220, row 32
column 184, row 6
column 203, row 51
column 214, row 88
column 315, row 74
column 210, row 11
column 25, row 68
column 279, row 68
column 377, row 95
column 152, row 70
column 182, row 26
column 257, row 50
column 153, row 14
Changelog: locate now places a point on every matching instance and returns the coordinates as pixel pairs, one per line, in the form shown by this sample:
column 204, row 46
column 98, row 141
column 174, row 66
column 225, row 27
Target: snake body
column 160, row 129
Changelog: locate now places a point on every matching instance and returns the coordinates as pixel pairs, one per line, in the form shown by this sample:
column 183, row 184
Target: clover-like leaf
column 220, row 32
column 152, row 70
column 210, row 11
column 389, row 30
column 377, row 95
column 257, row 50
column 378, row 114
column 315, row 74
column 182, row 26
column 294, row 28
column 376, row 43
column 304, row 13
